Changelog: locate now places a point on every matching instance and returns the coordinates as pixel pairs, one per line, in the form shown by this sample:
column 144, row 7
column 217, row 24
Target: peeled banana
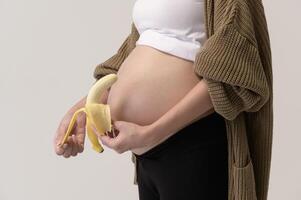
column 97, row 115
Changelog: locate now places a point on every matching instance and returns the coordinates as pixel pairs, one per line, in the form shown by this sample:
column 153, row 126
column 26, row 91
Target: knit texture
column 235, row 62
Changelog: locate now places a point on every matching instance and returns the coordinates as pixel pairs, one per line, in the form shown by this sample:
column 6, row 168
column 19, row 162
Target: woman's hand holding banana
column 130, row 136
column 98, row 115
column 75, row 142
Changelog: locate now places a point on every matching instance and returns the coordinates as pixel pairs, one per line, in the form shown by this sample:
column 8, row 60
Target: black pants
column 192, row 164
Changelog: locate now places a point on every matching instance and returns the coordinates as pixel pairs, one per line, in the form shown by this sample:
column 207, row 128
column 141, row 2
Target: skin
column 75, row 142
column 183, row 99
column 195, row 105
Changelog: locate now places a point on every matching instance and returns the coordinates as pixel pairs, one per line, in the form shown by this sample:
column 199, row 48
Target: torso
column 150, row 82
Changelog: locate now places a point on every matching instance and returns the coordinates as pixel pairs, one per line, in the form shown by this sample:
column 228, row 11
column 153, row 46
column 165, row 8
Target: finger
column 57, row 148
column 80, row 134
column 115, row 132
column 80, row 143
column 68, row 150
column 65, row 146
column 60, row 149
column 61, row 131
column 110, row 134
column 74, row 149
column 81, row 119
column 80, row 137
column 109, row 142
column 58, row 138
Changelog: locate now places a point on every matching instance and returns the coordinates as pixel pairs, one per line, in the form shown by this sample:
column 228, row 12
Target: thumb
column 107, row 141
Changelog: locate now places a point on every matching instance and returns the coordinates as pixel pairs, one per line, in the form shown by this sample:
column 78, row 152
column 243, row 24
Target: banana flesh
column 98, row 115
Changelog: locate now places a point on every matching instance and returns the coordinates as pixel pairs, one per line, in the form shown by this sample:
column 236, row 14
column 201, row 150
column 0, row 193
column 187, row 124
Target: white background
column 48, row 51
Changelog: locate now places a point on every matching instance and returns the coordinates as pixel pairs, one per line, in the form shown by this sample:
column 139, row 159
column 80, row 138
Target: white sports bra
column 173, row 26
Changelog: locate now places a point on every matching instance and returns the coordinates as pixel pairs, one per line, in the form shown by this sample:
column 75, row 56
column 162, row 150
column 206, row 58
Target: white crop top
column 173, row 26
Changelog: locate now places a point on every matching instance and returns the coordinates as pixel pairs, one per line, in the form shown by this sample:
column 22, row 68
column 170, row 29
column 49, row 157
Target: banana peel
column 98, row 115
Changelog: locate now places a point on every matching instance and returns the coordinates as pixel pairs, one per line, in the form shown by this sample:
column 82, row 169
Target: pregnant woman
column 177, row 124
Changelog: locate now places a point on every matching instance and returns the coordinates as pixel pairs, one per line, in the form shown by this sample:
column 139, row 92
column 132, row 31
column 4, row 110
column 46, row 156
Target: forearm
column 193, row 106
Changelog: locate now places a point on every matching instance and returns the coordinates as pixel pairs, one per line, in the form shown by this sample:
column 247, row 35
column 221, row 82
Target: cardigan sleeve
column 112, row 64
column 230, row 64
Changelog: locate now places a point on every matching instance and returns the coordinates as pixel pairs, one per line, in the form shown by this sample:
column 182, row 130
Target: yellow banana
column 97, row 115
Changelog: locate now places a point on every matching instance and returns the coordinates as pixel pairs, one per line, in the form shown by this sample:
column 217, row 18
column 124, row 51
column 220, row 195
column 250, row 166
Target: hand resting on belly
column 150, row 82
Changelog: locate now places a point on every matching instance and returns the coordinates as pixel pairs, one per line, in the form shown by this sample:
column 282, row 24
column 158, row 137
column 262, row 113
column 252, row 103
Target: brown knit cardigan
column 235, row 62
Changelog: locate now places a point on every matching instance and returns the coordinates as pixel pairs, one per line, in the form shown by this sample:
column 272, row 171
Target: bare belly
column 150, row 82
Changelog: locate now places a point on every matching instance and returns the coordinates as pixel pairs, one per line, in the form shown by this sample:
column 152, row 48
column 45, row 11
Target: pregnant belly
column 150, row 82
